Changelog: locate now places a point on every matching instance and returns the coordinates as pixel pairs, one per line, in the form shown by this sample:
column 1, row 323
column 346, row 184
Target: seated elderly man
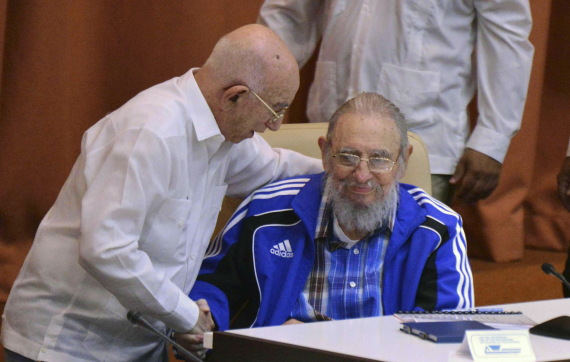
column 348, row 243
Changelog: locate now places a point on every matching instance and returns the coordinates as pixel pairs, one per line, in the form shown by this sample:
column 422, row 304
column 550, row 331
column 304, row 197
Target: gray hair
column 367, row 103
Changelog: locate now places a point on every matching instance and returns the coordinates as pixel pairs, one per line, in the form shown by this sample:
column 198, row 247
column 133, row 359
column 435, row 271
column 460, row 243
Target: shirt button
column 193, row 256
column 356, row 251
column 352, row 284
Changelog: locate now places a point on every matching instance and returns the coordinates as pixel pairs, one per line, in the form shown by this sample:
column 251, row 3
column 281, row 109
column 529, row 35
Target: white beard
column 355, row 217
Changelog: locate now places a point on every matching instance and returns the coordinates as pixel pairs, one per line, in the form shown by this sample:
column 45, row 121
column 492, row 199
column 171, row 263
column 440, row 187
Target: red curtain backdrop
column 66, row 63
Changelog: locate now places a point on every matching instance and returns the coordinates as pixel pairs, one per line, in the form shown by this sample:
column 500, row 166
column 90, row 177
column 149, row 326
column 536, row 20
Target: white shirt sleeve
column 504, row 61
column 254, row 163
column 296, row 22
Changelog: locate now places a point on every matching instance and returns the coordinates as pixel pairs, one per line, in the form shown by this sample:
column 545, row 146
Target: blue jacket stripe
column 259, row 196
column 464, row 286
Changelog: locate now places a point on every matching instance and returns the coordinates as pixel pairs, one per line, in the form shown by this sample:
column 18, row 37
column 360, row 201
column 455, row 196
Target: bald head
column 255, row 56
column 250, row 76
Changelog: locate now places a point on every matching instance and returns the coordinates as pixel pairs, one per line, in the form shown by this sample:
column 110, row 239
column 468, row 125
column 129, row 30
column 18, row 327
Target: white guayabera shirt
column 419, row 55
column 130, row 227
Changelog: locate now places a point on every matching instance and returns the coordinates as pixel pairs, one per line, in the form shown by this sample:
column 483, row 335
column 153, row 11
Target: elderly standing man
column 351, row 242
column 132, row 222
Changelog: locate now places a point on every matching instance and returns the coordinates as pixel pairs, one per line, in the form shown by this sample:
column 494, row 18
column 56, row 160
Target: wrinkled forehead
column 366, row 133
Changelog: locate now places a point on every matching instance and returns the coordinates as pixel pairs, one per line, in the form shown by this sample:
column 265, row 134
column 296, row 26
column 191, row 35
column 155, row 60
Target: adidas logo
column 283, row 249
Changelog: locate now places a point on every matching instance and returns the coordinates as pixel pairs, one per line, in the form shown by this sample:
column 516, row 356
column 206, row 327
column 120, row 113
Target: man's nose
column 362, row 172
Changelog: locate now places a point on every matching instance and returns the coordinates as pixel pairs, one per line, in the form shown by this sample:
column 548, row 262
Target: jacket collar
column 409, row 215
column 307, row 202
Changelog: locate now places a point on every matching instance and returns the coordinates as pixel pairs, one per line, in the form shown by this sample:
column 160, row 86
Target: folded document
column 442, row 332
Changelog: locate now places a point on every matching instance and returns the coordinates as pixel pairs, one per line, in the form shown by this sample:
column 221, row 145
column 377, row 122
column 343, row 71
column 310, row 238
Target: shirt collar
column 202, row 117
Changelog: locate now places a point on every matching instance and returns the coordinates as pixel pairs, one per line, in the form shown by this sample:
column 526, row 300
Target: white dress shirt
column 130, row 227
column 418, row 54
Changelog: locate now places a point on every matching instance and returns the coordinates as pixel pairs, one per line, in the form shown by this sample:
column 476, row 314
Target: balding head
column 252, row 58
column 254, row 55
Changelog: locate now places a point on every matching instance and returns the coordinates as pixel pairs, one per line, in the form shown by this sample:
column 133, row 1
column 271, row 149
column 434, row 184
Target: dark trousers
column 10, row 356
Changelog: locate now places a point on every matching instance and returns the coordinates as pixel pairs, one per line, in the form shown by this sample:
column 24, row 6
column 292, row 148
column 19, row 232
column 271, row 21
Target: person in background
column 132, row 222
column 428, row 57
column 351, row 242
column 564, row 194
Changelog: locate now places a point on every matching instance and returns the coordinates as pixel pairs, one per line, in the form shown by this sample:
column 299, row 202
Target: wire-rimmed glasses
column 375, row 164
column 276, row 115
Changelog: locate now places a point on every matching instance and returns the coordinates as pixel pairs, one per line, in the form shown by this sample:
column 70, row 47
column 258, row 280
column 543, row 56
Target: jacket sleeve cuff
column 489, row 142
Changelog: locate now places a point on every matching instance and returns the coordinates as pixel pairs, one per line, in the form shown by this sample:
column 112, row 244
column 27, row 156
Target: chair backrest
column 302, row 137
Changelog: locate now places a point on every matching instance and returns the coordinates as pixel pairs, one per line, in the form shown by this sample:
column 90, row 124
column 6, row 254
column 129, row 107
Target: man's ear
column 232, row 96
column 407, row 153
column 323, row 145
column 406, row 156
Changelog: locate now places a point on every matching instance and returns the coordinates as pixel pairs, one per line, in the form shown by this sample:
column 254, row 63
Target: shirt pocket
column 165, row 239
column 415, row 92
column 425, row 14
column 210, row 216
column 323, row 95
column 336, row 7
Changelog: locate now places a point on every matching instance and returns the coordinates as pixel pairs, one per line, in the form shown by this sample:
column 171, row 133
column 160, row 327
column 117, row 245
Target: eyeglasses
column 276, row 115
column 375, row 164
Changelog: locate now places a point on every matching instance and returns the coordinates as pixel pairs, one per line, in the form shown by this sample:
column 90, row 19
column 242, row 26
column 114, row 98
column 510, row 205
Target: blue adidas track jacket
column 244, row 280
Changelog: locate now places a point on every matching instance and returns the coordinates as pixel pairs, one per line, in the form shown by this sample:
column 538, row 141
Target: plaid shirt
column 346, row 281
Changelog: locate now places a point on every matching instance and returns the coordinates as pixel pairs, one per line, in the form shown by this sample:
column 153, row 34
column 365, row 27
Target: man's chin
column 362, row 200
column 242, row 138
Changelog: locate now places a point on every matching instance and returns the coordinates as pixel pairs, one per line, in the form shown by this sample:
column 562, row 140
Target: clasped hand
column 193, row 340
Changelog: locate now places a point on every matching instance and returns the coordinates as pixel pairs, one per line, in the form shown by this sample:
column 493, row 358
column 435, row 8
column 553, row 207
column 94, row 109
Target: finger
column 465, row 189
column 459, row 172
column 195, row 347
column 192, row 346
column 189, row 338
column 207, row 323
column 190, row 341
column 478, row 185
column 203, row 305
column 481, row 190
column 292, row 321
